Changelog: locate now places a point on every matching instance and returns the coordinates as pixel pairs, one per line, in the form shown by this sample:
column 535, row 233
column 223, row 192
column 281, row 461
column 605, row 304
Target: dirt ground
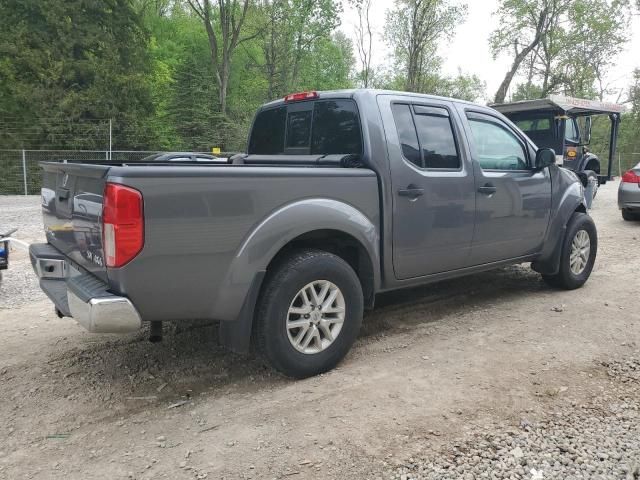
column 433, row 366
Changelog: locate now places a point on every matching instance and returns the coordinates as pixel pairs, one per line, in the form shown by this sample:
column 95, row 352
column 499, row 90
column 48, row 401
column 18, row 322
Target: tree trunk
column 501, row 94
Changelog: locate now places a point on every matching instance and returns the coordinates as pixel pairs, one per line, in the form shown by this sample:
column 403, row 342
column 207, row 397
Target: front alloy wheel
column 580, row 249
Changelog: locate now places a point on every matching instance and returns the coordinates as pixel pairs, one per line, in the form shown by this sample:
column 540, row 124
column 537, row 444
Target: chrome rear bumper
column 81, row 295
column 110, row 314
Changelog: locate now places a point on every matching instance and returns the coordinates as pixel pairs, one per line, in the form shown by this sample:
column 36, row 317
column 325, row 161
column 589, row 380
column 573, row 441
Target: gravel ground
column 490, row 376
column 19, row 286
column 599, row 439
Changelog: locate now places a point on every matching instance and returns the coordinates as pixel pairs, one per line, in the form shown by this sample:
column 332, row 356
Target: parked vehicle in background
column 341, row 195
column 564, row 124
column 629, row 194
column 4, row 250
column 182, row 157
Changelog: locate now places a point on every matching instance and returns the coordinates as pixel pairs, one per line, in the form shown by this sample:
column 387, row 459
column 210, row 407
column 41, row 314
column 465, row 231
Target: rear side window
column 426, row 136
column 267, row 135
column 435, row 135
column 407, row 133
column 322, row 127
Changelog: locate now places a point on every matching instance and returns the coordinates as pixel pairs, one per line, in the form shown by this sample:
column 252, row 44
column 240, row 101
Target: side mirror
column 544, row 158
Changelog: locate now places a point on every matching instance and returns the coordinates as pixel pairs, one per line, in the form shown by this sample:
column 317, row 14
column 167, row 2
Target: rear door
column 433, row 186
column 513, row 200
column 72, row 211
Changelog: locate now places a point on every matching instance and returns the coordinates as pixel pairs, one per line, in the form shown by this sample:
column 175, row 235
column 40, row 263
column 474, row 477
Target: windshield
column 571, row 132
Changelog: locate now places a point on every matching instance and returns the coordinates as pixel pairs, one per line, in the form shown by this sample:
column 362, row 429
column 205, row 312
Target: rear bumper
column 629, row 196
column 80, row 295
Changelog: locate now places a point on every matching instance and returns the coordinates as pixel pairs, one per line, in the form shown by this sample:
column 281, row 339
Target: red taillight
column 297, row 97
column 122, row 224
column 630, row 177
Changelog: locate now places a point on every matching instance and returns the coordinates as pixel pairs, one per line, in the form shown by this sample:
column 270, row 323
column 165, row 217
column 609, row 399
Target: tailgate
column 72, row 212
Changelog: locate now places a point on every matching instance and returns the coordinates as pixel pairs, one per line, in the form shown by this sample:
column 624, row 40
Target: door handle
column 487, row 189
column 411, row 192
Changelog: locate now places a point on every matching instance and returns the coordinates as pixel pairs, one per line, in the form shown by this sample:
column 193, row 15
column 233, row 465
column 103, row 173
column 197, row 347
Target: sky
column 468, row 49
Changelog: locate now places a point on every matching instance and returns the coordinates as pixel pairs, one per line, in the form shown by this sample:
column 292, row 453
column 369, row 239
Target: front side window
column 496, row 147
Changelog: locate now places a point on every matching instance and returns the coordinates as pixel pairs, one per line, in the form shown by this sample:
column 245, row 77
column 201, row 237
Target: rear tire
column 309, row 313
column 630, row 215
column 579, row 249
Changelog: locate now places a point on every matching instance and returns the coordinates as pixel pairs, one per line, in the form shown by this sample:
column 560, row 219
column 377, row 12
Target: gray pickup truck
column 340, row 196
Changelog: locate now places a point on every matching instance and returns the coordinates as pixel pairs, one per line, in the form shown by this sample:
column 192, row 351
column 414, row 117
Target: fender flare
column 236, row 299
column 572, row 200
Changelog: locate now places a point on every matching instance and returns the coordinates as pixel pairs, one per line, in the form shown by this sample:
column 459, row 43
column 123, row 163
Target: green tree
column 70, row 63
column 364, row 40
column 523, row 25
column 599, row 29
column 569, row 46
column 412, row 30
column 292, row 30
column 223, row 21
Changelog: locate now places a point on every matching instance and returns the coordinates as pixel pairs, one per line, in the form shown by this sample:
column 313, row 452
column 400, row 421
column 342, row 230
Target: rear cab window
column 319, row 127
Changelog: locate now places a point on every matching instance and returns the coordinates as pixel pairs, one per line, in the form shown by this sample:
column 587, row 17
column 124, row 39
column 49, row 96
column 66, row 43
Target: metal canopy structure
column 568, row 105
column 573, row 107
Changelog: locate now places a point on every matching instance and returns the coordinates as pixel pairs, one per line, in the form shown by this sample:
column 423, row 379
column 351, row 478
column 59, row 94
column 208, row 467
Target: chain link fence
column 20, row 172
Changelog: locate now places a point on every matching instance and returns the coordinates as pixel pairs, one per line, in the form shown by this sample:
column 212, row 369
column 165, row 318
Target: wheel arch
column 341, row 244
column 325, row 224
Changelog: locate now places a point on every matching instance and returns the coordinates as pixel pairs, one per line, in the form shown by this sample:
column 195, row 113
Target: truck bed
column 196, row 220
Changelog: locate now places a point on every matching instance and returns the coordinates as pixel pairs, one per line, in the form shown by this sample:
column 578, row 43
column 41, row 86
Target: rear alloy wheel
column 579, row 249
column 309, row 313
column 315, row 317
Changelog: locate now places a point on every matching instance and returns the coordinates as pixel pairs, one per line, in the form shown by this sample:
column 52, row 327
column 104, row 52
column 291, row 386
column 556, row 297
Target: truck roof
column 352, row 93
column 568, row 105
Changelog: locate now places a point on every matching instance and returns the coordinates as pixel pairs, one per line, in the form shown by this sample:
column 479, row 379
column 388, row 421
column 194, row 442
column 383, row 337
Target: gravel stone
column 597, row 441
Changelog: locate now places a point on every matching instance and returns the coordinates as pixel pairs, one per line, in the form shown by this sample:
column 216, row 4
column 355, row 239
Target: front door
column 513, row 200
column 433, row 187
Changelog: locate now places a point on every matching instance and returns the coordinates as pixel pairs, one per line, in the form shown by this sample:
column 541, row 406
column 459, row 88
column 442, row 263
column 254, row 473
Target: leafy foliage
column 189, row 74
column 64, row 64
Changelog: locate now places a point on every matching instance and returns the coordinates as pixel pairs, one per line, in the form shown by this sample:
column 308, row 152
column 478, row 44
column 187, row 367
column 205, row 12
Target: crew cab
column 341, row 195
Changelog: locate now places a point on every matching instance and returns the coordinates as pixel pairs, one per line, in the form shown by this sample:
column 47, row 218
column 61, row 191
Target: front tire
column 579, row 249
column 309, row 313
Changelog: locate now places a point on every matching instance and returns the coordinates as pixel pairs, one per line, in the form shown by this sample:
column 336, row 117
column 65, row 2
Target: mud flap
column 236, row 336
